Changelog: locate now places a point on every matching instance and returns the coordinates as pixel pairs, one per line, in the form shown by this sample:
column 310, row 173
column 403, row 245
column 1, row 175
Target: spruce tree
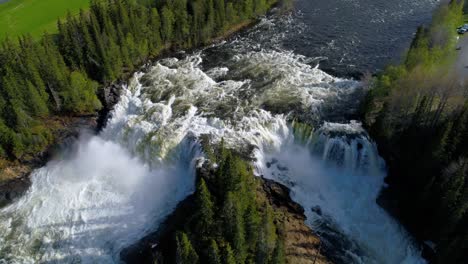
column 167, row 21
column 228, row 255
column 185, row 253
column 205, row 210
column 213, row 253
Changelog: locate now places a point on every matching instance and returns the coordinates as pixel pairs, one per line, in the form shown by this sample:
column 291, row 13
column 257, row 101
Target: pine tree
column 205, row 210
column 155, row 30
column 220, row 15
column 279, row 253
column 6, row 140
column 182, row 29
column 167, row 21
column 185, row 253
column 228, row 255
column 213, row 253
column 82, row 94
column 209, row 26
column 37, row 105
column 234, row 226
column 268, row 237
column 231, row 13
column 253, row 221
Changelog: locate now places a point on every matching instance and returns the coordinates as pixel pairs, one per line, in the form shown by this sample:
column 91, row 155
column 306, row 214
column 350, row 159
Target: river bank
column 421, row 132
column 335, row 172
column 15, row 175
column 301, row 244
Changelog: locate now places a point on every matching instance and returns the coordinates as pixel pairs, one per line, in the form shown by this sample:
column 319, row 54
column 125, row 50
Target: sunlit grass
column 18, row 17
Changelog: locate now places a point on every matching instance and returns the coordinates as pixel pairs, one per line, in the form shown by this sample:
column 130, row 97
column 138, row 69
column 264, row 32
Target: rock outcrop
column 12, row 189
column 302, row 246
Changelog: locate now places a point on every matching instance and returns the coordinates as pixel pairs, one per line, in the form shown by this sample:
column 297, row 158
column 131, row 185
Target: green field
column 19, row 17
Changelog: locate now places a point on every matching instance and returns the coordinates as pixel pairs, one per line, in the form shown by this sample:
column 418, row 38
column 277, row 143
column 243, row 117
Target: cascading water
column 88, row 206
column 114, row 188
column 336, row 175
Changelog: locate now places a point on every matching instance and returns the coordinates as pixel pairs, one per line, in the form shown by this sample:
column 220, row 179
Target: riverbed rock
column 302, row 246
column 13, row 189
column 110, row 95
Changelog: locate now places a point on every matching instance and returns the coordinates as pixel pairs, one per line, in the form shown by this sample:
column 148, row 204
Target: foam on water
column 337, row 176
column 89, row 205
column 113, row 188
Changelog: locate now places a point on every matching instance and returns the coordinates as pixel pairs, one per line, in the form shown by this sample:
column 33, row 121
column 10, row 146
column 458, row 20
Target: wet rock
column 13, row 189
column 272, row 162
column 429, row 251
column 109, row 96
column 317, row 210
column 278, row 195
column 302, row 245
column 335, row 245
column 282, row 168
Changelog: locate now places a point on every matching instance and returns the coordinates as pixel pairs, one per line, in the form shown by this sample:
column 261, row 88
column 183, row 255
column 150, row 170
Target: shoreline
column 18, row 173
column 15, row 175
column 302, row 244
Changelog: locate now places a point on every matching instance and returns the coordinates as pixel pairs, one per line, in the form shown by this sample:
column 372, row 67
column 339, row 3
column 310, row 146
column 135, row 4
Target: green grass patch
column 18, row 17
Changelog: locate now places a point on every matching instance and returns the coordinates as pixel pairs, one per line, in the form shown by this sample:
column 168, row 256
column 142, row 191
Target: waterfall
column 336, row 175
column 112, row 189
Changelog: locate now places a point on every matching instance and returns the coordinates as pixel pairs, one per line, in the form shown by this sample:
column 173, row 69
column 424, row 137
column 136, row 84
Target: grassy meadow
column 19, row 17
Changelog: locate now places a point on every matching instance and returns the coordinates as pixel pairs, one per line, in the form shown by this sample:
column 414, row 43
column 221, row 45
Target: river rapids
column 109, row 190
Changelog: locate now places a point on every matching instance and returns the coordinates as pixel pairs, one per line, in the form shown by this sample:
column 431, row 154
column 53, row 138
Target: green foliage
column 80, row 96
column 168, row 21
column 303, row 132
column 61, row 74
column 213, row 256
column 429, row 66
column 228, row 222
column 268, row 237
column 228, row 255
column 279, row 256
column 185, row 252
column 18, row 17
column 205, row 210
column 418, row 113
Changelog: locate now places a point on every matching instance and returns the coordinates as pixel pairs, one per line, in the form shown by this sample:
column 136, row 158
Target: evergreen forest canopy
column 229, row 221
column 60, row 74
column 418, row 114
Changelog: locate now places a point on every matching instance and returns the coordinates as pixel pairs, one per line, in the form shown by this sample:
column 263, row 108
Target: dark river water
column 346, row 37
column 355, row 36
column 114, row 188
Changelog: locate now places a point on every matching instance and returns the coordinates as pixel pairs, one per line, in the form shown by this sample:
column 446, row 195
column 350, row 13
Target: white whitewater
column 336, row 175
column 88, row 206
column 112, row 189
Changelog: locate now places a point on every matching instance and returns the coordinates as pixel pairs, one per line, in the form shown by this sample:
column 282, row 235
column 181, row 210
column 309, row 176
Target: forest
column 418, row 114
column 60, row 74
column 228, row 222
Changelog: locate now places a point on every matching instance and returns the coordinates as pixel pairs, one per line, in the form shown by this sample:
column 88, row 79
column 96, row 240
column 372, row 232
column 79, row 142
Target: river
column 108, row 190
